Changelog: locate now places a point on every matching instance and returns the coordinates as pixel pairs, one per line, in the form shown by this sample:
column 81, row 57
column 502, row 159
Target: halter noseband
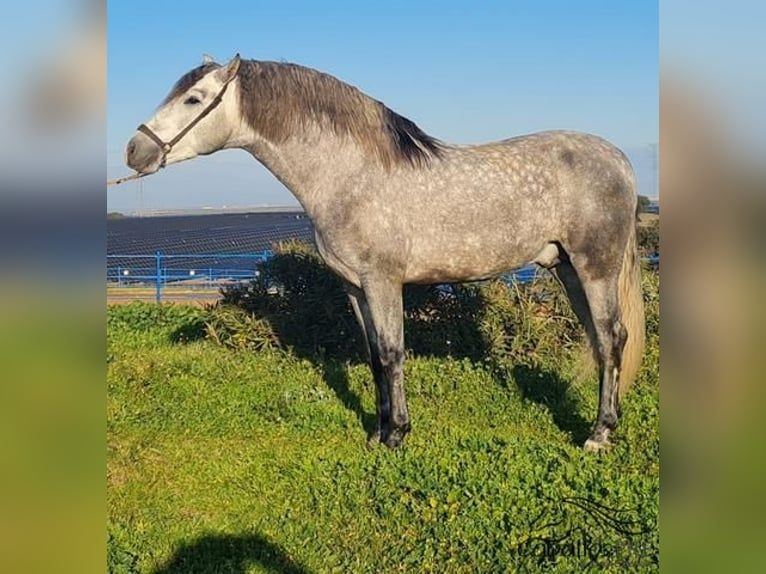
column 167, row 146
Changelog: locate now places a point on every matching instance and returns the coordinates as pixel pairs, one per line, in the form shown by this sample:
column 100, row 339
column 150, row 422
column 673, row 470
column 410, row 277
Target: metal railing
column 211, row 270
column 188, row 270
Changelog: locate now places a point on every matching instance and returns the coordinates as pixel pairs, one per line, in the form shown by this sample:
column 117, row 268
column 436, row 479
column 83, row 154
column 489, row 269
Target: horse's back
column 548, row 181
column 558, row 154
column 484, row 209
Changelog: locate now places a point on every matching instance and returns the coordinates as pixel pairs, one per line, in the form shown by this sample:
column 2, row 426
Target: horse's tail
column 632, row 311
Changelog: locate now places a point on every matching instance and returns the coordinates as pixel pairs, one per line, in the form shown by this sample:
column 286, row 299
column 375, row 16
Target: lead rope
column 120, row 180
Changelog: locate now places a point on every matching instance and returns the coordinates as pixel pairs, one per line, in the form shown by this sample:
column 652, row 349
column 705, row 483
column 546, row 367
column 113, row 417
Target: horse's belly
column 455, row 263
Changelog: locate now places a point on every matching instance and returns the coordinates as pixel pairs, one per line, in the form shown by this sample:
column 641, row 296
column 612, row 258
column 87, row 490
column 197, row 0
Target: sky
column 465, row 72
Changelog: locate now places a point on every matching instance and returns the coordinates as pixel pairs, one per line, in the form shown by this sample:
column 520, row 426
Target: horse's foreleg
column 384, row 304
column 382, row 401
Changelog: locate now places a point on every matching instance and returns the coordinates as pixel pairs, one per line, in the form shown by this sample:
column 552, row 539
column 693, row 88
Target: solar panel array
column 207, row 238
column 212, row 234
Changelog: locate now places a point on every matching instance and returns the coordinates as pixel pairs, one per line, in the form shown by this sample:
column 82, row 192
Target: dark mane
column 410, row 141
column 278, row 98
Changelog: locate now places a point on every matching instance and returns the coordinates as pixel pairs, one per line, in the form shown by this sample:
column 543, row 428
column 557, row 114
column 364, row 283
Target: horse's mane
column 279, row 98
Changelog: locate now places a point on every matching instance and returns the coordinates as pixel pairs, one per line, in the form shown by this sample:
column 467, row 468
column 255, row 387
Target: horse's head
column 194, row 119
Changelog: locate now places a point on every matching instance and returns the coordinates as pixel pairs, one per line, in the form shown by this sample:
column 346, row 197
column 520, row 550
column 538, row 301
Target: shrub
column 301, row 301
column 643, row 204
column 297, row 302
column 649, row 238
column 527, row 324
column 236, row 328
column 650, row 282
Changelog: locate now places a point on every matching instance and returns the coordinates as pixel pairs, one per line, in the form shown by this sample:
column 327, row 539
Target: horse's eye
column 191, row 100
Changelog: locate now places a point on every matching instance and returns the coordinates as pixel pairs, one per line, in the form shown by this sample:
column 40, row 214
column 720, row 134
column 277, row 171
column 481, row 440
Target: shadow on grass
column 188, row 332
column 307, row 310
column 336, row 377
column 546, row 388
column 231, row 554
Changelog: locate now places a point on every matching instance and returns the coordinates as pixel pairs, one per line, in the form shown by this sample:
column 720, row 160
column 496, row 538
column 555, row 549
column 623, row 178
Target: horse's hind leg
column 382, row 401
column 610, row 335
column 595, row 302
column 572, row 285
column 567, row 276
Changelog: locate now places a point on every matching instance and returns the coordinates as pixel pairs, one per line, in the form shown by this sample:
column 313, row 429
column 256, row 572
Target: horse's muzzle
column 142, row 154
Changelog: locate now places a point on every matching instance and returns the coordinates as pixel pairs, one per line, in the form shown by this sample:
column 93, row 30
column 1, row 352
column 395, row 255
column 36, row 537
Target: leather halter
column 167, row 146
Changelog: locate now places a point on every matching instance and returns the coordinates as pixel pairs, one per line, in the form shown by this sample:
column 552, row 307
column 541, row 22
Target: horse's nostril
column 131, row 148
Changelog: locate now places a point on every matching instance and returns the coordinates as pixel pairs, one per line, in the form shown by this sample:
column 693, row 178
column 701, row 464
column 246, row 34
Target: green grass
column 237, row 461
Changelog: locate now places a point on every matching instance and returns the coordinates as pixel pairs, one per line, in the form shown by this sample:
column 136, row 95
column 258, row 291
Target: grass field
column 231, row 461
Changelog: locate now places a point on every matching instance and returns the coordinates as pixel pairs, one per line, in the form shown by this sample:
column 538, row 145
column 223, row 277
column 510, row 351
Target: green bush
column 235, row 328
column 649, row 239
column 527, row 324
column 443, row 321
column 297, row 302
column 650, row 283
column 651, row 288
column 643, row 204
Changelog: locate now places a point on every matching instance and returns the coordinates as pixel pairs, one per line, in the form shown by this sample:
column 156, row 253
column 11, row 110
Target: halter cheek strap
column 167, row 146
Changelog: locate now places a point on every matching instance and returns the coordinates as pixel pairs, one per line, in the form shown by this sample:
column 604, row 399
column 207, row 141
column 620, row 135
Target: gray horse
column 393, row 205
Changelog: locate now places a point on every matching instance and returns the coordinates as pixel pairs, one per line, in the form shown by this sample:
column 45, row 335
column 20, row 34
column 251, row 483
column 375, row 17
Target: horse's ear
column 208, row 59
column 231, row 68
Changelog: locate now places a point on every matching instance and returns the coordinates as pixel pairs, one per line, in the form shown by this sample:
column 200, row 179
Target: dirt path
column 122, row 295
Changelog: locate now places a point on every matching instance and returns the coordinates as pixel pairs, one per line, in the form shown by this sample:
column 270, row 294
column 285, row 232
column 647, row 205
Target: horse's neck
column 311, row 165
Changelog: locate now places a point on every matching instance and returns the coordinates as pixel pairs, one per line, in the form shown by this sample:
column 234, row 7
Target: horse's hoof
column 393, row 441
column 592, row 445
column 395, row 437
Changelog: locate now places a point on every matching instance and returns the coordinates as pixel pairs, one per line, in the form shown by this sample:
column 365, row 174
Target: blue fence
column 211, row 270
column 191, row 270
